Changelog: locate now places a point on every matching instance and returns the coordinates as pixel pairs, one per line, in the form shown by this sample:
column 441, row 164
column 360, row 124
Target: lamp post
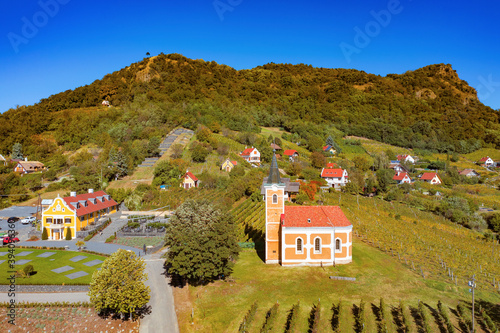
column 472, row 285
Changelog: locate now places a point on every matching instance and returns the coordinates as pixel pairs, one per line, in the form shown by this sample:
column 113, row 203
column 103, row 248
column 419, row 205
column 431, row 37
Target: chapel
column 303, row 235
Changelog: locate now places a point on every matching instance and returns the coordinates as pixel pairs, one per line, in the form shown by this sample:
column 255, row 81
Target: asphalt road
column 162, row 318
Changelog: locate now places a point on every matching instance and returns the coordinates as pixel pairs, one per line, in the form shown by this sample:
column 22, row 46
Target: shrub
column 68, row 234
column 110, row 239
column 28, row 270
column 248, row 318
column 45, row 236
column 270, row 318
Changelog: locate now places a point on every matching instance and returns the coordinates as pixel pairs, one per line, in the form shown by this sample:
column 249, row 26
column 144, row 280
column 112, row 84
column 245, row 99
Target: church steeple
column 274, row 173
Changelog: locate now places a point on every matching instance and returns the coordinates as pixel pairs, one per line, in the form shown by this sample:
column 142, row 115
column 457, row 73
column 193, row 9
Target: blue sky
column 50, row 46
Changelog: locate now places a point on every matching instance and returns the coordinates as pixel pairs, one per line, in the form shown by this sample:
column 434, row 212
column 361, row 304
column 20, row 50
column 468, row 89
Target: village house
column 24, row 167
column 292, row 154
column 189, row 180
column 487, row 161
column 105, row 103
column 406, row 159
column 431, row 177
column 335, row 178
column 251, row 155
column 76, row 212
column 469, row 173
column 397, row 167
column 228, row 165
column 329, row 149
column 275, row 146
column 303, row 236
column 402, row 178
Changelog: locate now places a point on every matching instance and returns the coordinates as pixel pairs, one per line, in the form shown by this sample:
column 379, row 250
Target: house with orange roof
column 303, row 236
column 431, row 177
column 402, row 178
column 335, row 178
column 251, row 155
column 228, row 165
column 76, row 212
column 189, row 180
column 292, row 154
column 487, row 161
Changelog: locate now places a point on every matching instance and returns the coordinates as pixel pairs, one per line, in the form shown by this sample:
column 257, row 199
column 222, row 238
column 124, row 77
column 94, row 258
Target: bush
column 110, row 239
column 28, row 270
column 45, row 236
column 68, row 234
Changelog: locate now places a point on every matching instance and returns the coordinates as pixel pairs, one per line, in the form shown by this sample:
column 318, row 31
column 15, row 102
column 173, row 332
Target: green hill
column 427, row 108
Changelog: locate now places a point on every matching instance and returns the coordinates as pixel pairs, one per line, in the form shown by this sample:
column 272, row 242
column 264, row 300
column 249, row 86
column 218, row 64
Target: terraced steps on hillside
column 164, row 146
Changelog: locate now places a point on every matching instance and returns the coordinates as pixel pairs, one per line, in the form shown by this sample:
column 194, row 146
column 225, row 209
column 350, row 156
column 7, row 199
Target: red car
column 7, row 240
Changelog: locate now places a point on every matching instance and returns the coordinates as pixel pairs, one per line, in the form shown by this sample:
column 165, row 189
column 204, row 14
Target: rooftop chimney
column 91, row 190
column 72, row 194
column 26, row 159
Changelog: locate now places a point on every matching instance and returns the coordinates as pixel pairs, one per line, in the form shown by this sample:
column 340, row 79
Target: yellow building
column 189, row 180
column 228, row 165
column 76, row 212
column 303, row 236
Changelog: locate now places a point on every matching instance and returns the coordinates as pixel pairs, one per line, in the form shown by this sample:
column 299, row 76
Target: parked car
column 12, row 219
column 7, row 240
column 28, row 220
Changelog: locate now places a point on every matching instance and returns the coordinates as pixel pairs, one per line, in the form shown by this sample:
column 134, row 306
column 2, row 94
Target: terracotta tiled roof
column 190, row 175
column 401, row 176
column 319, row 216
column 234, row 163
column 290, row 152
column 484, row 159
column 91, row 207
column 332, row 173
column 428, row 176
column 331, row 165
column 247, row 152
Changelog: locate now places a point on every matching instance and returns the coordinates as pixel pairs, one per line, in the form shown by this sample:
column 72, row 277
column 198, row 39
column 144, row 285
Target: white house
column 335, row 177
column 402, row 178
column 406, row 158
column 431, row 177
column 469, row 173
column 292, row 154
column 251, row 155
column 487, row 161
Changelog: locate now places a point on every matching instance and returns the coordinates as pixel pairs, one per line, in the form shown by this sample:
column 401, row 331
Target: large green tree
column 118, row 288
column 202, row 242
column 17, row 151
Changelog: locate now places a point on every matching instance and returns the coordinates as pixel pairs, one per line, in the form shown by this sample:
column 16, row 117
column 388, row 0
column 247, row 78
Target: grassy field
column 138, row 242
column 44, row 267
column 221, row 306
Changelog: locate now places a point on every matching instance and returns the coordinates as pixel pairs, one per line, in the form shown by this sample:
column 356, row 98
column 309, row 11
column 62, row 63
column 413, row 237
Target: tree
column 121, row 164
column 384, row 178
column 318, row 160
column 199, row 153
column 177, row 150
column 294, row 168
column 314, row 143
column 381, row 161
column 17, row 151
column 68, row 234
column 329, row 141
column 45, row 236
column 118, row 288
column 361, row 163
column 202, row 242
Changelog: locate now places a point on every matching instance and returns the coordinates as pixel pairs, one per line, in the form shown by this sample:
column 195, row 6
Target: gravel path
column 116, row 224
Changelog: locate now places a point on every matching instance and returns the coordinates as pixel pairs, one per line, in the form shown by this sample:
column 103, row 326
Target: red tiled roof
column 428, row 176
column 247, row 152
column 332, row 173
column 290, row 152
column 484, row 159
column 234, row 163
column 320, row 216
column 190, row 175
column 91, row 207
column 331, row 165
column 401, row 176
column 326, row 147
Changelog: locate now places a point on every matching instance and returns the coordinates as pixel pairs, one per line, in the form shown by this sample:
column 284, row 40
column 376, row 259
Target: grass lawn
column 221, row 306
column 138, row 242
column 44, row 267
